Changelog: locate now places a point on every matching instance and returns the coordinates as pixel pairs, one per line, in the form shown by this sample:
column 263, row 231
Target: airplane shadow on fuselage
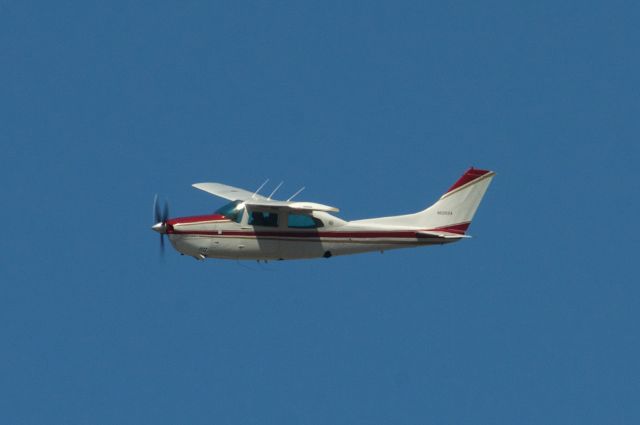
column 290, row 243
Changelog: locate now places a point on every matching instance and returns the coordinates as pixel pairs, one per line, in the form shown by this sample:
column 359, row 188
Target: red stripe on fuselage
column 456, row 228
column 409, row 234
column 196, row 219
column 287, row 234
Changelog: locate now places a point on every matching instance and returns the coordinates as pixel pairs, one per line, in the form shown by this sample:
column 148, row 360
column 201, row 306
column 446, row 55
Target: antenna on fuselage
column 261, row 186
column 295, row 194
column 275, row 190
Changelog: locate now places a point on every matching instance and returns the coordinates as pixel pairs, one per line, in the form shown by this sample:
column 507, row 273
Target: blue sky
column 375, row 107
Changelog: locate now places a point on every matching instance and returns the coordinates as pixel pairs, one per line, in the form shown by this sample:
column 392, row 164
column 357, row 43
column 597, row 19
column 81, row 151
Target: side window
column 263, row 218
column 303, row 221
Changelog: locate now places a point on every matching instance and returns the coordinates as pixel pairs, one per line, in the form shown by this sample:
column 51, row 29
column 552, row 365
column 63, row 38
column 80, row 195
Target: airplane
column 256, row 227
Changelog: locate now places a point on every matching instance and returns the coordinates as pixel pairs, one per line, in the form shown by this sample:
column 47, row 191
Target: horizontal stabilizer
column 444, row 235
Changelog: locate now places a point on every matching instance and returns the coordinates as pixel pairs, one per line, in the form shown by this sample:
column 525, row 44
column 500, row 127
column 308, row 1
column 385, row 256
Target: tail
column 454, row 210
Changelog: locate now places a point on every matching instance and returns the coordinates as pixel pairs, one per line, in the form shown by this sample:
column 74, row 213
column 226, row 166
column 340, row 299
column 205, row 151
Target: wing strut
column 295, row 194
column 261, row 186
column 275, row 190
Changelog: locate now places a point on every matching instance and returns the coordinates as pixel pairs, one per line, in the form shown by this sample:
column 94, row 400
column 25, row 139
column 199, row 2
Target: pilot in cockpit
column 257, row 218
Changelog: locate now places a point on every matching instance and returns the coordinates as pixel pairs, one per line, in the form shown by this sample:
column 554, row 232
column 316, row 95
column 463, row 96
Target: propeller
column 160, row 217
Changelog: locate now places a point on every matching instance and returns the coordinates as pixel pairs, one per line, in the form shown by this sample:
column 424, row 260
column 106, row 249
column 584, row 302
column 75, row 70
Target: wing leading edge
column 251, row 199
column 227, row 192
column 301, row 206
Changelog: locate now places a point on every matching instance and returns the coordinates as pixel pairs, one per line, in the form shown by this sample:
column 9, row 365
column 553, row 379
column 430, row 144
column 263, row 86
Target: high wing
column 300, row 206
column 228, row 192
column 251, row 199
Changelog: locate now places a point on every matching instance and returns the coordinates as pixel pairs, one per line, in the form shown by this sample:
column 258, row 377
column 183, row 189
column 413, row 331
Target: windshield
column 233, row 211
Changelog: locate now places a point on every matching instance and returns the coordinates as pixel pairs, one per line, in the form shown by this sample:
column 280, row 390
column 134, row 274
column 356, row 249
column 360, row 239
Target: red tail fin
column 469, row 176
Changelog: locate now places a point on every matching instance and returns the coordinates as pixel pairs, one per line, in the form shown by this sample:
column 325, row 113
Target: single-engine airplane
column 255, row 227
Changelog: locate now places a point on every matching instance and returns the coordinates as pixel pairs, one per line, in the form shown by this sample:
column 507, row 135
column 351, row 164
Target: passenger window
column 263, row 218
column 303, row 221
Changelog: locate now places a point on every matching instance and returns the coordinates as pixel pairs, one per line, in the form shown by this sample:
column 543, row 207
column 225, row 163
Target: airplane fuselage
column 216, row 236
column 254, row 227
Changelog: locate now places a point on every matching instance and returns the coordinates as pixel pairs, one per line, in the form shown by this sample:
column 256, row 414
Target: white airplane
column 255, row 227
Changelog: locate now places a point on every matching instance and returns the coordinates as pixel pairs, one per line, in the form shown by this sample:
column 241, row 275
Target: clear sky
column 375, row 107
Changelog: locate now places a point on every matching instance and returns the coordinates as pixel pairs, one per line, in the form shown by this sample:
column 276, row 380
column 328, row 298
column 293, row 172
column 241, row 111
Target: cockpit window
column 263, row 218
column 233, row 211
column 303, row 221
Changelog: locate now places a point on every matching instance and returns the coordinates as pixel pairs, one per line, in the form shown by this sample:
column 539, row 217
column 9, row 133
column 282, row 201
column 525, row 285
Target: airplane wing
column 299, row 206
column 227, row 192
column 253, row 200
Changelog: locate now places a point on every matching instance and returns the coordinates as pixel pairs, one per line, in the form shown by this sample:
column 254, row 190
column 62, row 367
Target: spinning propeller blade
column 160, row 217
column 156, row 210
column 165, row 211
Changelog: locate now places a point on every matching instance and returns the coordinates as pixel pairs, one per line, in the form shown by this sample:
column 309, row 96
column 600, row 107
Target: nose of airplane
column 160, row 227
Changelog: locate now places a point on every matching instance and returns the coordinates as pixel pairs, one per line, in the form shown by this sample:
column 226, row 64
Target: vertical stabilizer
column 454, row 210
